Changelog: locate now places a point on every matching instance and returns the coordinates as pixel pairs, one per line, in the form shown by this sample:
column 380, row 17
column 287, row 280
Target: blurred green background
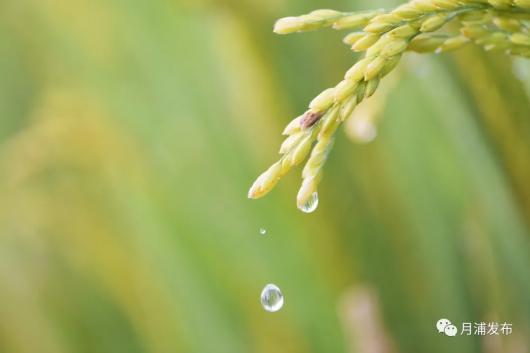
column 131, row 131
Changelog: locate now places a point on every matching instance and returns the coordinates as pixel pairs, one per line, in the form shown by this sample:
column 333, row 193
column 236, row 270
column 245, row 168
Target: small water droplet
column 262, row 231
column 271, row 298
column 311, row 204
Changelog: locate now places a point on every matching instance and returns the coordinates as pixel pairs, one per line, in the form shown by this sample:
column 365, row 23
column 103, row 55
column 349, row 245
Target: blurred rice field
column 130, row 132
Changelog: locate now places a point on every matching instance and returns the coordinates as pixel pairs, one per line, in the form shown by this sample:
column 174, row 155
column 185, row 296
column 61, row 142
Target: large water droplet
column 262, row 230
column 271, row 298
column 311, row 204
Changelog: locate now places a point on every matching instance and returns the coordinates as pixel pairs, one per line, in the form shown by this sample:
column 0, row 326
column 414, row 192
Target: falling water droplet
column 271, row 298
column 310, row 204
column 262, row 231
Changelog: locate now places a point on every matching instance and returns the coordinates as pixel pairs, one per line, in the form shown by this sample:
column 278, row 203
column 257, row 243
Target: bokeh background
column 130, row 132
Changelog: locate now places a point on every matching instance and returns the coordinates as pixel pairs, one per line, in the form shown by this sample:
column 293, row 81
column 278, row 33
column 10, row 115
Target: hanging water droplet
column 310, row 204
column 271, row 298
column 262, row 230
